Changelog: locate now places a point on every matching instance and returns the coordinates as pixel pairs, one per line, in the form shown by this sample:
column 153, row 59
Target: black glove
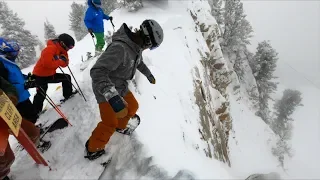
column 118, row 106
column 110, row 18
column 151, row 79
column 30, row 84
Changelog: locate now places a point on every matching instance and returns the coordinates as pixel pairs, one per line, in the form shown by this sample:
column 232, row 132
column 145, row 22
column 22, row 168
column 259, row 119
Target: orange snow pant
column 7, row 159
column 104, row 130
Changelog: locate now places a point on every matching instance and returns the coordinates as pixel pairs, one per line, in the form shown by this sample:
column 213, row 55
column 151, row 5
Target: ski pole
column 72, row 83
column 54, row 105
column 112, row 25
column 93, row 42
column 76, row 83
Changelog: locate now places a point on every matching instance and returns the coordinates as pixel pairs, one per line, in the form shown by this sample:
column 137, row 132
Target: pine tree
column 13, row 28
column 217, row 10
column 76, row 18
column 237, row 29
column 132, row 5
column 49, row 31
column 282, row 124
column 263, row 66
column 109, row 6
column 284, row 108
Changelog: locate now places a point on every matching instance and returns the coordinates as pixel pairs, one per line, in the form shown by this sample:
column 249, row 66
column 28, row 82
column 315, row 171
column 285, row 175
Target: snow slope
column 167, row 144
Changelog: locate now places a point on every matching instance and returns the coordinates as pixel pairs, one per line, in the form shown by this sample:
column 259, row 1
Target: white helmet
column 153, row 33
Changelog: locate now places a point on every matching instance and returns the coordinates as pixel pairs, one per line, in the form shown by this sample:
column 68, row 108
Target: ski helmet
column 66, row 41
column 153, row 33
column 96, row 3
column 9, row 48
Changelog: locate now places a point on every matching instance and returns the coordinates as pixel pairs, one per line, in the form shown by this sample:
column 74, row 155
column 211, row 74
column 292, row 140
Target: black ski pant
column 27, row 111
column 42, row 85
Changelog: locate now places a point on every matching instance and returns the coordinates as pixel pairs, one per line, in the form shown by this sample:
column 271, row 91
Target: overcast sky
column 293, row 27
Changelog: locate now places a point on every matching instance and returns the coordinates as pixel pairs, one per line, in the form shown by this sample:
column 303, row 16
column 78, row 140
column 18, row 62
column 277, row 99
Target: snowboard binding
column 133, row 123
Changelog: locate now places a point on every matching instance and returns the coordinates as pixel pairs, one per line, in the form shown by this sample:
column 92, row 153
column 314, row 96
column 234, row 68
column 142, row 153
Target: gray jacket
column 116, row 66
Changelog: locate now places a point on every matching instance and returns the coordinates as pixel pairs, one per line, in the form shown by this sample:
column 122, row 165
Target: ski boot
column 64, row 100
column 93, row 155
column 44, row 146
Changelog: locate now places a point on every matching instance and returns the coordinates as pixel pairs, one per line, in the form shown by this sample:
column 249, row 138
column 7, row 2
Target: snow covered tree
column 282, row 124
column 49, row 31
column 237, row 29
column 264, row 64
column 132, row 5
column 13, row 28
column 284, row 108
column 109, row 6
column 76, row 18
column 217, row 10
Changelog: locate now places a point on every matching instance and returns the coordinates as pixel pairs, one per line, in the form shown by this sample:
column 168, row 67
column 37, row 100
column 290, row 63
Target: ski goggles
column 66, row 47
column 149, row 40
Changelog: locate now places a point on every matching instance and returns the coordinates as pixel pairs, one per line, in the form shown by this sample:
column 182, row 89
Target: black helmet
column 153, row 33
column 67, row 40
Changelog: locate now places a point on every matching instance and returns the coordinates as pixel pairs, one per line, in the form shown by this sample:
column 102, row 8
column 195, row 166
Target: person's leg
column 104, row 130
column 65, row 79
column 39, row 97
column 6, row 161
column 27, row 111
column 100, row 41
column 132, row 109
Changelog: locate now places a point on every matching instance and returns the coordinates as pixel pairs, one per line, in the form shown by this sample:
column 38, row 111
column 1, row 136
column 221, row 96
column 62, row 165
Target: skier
column 10, row 71
column 7, row 158
column 52, row 57
column 94, row 22
column 110, row 74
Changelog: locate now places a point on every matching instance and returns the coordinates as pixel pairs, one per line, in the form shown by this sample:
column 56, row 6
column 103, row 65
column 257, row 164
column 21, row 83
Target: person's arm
column 143, row 68
column 88, row 18
column 106, row 17
column 9, row 89
column 50, row 59
column 3, row 71
column 108, row 61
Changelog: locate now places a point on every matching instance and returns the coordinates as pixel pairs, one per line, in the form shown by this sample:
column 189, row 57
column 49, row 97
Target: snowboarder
column 110, row 74
column 11, row 72
column 33, row 132
column 94, row 22
column 52, row 57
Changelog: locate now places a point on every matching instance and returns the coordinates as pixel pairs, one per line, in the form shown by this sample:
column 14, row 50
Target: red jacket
column 52, row 57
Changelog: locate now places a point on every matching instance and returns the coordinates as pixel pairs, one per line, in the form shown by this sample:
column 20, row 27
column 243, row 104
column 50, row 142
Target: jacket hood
column 90, row 3
column 123, row 34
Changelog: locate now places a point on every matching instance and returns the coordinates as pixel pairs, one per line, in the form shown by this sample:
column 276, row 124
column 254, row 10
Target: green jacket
column 7, row 87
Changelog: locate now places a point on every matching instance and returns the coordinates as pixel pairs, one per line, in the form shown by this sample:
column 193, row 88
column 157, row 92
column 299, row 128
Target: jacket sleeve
column 8, row 88
column 109, row 61
column 52, row 60
column 88, row 18
column 143, row 68
column 3, row 71
column 106, row 16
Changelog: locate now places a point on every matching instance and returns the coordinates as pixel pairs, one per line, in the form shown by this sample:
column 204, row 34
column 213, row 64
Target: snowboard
column 132, row 125
column 84, row 168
